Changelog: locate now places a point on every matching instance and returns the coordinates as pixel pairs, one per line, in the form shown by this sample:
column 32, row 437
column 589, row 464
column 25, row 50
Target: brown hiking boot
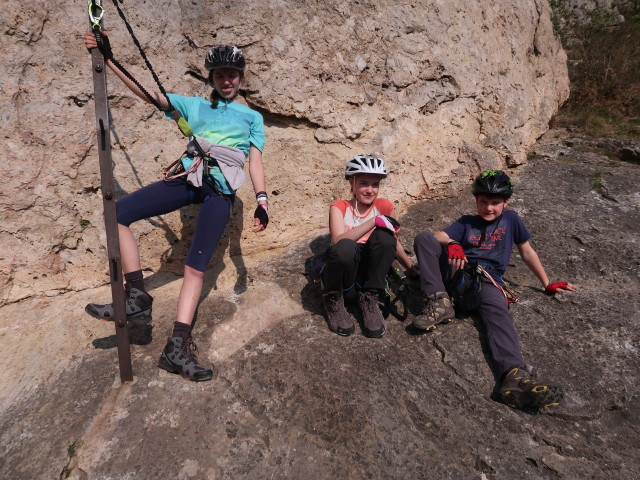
column 338, row 318
column 521, row 389
column 374, row 324
column 437, row 310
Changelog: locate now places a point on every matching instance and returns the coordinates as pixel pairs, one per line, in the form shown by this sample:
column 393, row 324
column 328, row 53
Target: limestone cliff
column 440, row 89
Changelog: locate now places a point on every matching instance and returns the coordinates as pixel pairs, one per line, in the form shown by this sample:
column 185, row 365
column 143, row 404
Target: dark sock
column 135, row 280
column 181, row 330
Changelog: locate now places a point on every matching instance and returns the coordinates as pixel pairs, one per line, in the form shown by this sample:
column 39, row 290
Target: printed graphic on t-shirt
column 489, row 243
column 488, row 240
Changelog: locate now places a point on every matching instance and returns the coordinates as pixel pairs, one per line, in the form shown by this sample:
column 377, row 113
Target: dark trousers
column 502, row 338
column 367, row 264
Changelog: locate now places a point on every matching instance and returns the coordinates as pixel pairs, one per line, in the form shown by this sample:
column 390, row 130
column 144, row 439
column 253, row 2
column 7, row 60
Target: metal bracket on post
column 111, row 224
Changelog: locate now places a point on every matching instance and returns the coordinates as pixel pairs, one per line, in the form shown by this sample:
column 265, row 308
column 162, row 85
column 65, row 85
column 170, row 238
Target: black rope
column 146, row 61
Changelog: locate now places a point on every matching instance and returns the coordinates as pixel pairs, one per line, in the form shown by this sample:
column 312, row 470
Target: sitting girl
column 363, row 246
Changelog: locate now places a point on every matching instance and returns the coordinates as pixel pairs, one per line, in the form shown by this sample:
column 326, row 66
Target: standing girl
column 363, row 246
column 225, row 133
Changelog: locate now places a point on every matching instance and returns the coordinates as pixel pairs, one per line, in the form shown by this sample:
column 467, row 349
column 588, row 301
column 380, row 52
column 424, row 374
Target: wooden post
column 111, row 224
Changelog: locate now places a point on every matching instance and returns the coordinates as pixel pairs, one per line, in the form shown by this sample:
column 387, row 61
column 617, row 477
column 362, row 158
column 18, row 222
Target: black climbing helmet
column 365, row 163
column 493, row 182
column 224, row 56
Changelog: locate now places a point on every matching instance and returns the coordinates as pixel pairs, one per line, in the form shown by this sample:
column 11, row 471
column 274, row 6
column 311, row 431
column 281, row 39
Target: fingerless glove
column 388, row 223
column 455, row 251
column 262, row 214
column 555, row 286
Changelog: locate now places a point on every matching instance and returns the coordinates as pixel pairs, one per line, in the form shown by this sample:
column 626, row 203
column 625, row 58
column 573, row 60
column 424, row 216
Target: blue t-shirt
column 229, row 124
column 489, row 243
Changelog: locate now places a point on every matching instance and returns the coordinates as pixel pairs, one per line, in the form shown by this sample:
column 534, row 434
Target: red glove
column 455, row 251
column 555, row 287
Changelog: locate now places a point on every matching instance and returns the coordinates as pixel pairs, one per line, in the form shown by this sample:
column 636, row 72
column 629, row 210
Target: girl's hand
column 90, row 40
column 388, row 223
column 260, row 218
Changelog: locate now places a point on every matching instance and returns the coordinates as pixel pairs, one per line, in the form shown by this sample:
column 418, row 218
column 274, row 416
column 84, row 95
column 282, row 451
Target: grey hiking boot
column 437, row 310
column 338, row 318
column 137, row 306
column 179, row 356
column 521, row 389
column 374, row 324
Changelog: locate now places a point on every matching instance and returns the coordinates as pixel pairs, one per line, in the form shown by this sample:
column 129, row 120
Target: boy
column 486, row 239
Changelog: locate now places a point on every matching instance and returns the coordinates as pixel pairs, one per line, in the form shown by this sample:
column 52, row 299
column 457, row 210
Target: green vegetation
column 596, row 182
column 72, row 449
column 601, row 150
column 604, row 67
column 84, row 223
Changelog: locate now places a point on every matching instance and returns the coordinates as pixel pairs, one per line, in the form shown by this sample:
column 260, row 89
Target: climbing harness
column 465, row 286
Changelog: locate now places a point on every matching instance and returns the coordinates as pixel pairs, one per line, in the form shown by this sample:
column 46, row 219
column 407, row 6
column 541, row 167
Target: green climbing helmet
column 492, row 182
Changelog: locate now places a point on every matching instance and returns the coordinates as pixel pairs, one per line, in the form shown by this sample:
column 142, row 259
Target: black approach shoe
column 179, row 356
column 137, row 306
column 521, row 389
column 374, row 324
column 338, row 318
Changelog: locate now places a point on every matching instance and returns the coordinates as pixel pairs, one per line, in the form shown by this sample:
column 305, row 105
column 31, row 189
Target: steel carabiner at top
column 96, row 12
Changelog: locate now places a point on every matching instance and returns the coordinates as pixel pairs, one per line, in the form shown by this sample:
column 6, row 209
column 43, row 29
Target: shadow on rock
column 311, row 293
column 139, row 334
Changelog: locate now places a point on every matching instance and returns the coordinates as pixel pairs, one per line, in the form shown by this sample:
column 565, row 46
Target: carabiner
column 95, row 5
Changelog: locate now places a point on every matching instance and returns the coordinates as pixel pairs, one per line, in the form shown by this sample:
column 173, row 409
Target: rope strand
column 146, row 61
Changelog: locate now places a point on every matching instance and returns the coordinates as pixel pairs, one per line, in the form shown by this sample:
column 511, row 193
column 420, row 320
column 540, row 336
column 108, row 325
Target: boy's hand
column 456, row 255
column 559, row 287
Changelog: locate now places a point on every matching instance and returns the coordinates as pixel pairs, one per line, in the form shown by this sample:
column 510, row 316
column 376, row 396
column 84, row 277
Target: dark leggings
column 368, row 263
column 164, row 197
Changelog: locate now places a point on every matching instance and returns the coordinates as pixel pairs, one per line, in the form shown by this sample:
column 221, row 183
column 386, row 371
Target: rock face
column 291, row 400
column 441, row 89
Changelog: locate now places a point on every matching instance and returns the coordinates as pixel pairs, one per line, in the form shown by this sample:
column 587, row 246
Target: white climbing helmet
column 365, row 163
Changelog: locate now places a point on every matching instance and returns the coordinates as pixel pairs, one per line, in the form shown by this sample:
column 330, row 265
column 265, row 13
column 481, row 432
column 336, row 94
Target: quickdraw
column 509, row 296
column 177, row 170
